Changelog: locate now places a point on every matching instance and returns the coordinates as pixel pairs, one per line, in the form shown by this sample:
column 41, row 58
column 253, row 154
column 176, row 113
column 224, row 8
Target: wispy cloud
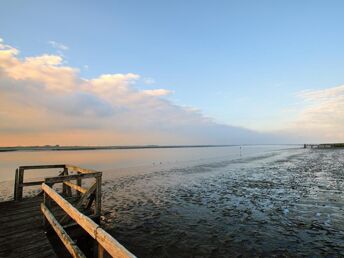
column 322, row 116
column 322, row 95
column 148, row 81
column 58, row 45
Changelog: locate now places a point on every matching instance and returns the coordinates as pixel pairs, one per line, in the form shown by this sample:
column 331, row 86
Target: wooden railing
column 105, row 241
column 85, row 197
column 19, row 183
column 93, row 194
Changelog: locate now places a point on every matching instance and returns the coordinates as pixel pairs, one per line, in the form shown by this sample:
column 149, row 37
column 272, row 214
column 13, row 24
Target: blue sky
column 241, row 63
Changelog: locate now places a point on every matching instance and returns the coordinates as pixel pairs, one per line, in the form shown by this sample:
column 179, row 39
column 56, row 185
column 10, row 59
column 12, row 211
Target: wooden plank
column 42, row 166
column 47, row 253
column 62, row 234
column 27, row 240
column 9, row 225
column 18, row 214
column 17, row 230
column 32, row 183
column 98, row 205
column 28, row 203
column 81, row 170
column 23, row 203
column 21, row 232
column 114, row 248
column 60, row 179
column 78, row 217
column 80, row 202
column 76, row 187
column 27, row 250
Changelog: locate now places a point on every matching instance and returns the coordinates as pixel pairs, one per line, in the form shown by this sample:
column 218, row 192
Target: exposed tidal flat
column 266, row 201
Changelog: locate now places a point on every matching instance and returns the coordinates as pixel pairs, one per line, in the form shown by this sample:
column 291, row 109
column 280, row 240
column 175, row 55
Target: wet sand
column 282, row 204
column 258, row 202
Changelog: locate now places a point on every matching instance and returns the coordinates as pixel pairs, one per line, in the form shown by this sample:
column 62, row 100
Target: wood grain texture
column 23, row 236
column 112, row 246
column 62, row 234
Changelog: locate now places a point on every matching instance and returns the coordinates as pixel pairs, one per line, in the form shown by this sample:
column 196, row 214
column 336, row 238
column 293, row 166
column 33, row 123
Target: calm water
column 123, row 162
column 213, row 202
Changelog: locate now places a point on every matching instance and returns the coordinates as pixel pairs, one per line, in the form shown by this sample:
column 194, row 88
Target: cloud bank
column 43, row 101
column 323, row 116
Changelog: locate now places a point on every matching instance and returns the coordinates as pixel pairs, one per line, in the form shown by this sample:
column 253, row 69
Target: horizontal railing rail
column 86, row 196
column 105, row 241
column 71, row 246
column 19, row 183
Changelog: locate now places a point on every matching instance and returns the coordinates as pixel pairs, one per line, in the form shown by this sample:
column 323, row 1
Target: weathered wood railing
column 19, row 183
column 105, row 241
column 86, row 196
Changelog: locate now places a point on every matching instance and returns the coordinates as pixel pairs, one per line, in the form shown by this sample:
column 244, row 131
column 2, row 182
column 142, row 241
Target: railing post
column 45, row 224
column 100, row 251
column 64, row 187
column 67, row 191
column 18, row 186
column 79, row 183
column 47, row 203
column 98, row 204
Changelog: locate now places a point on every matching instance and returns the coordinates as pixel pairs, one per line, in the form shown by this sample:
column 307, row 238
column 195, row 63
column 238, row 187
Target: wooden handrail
column 65, row 238
column 63, row 177
column 113, row 247
column 43, row 166
column 76, row 187
column 60, row 179
column 79, row 169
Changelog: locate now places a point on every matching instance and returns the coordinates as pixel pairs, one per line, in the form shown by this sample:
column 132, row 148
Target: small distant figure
column 240, row 151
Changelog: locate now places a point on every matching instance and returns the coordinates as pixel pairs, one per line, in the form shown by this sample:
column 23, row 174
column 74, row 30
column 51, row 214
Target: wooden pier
column 53, row 224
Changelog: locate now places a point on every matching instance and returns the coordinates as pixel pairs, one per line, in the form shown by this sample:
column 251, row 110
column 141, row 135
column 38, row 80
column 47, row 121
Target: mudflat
column 285, row 203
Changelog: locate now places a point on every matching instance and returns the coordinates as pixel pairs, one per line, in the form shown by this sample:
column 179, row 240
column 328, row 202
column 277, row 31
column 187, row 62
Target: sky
column 171, row 72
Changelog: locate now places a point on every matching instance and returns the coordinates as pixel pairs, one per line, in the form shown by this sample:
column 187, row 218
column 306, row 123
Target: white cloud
column 45, row 69
column 43, row 100
column 158, row 92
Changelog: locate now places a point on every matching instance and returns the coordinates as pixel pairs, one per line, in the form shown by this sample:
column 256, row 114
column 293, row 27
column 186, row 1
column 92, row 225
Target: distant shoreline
column 74, row 148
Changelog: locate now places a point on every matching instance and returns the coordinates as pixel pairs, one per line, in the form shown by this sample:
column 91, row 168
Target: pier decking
column 21, row 230
column 53, row 224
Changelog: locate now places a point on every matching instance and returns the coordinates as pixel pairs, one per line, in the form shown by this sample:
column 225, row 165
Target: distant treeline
column 124, row 147
column 71, row 148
